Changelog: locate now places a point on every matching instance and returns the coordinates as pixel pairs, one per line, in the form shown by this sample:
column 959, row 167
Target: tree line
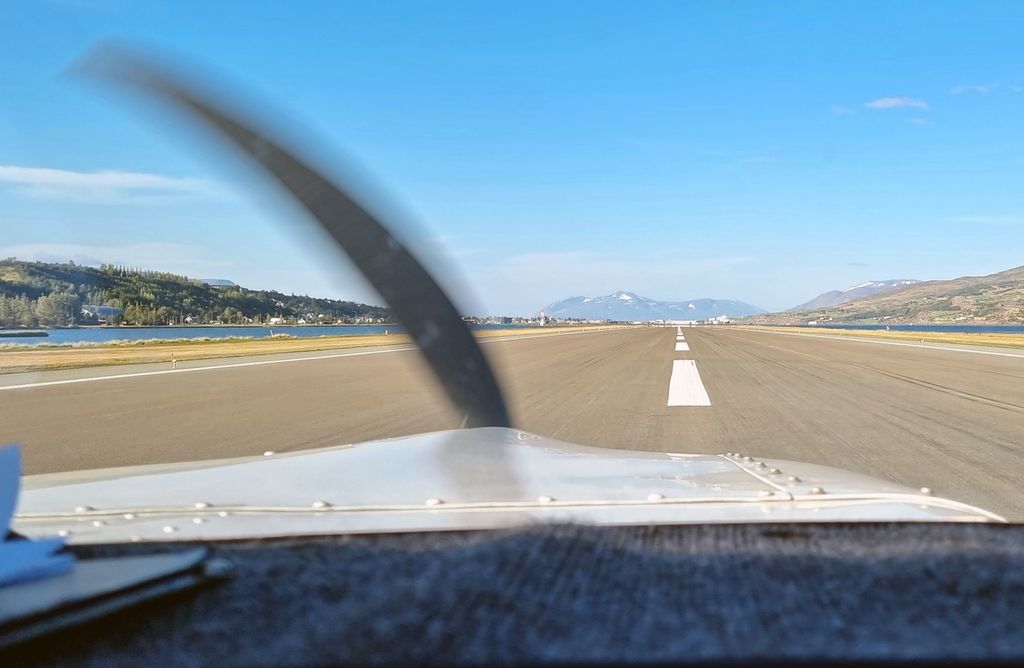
column 39, row 294
column 54, row 310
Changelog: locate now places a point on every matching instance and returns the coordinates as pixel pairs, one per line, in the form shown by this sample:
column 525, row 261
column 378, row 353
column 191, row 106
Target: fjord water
column 98, row 335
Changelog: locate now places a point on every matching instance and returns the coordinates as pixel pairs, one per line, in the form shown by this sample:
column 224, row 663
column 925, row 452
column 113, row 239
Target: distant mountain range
column 626, row 306
column 859, row 291
column 992, row 299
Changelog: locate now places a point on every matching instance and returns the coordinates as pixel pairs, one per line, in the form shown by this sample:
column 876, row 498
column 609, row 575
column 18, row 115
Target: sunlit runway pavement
column 949, row 420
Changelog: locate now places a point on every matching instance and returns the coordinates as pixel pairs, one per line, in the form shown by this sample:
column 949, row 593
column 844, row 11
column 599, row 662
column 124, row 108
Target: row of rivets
column 653, row 497
column 927, row 491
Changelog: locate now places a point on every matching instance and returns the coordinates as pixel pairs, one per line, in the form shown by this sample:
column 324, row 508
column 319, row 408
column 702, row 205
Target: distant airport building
column 218, row 282
column 101, row 313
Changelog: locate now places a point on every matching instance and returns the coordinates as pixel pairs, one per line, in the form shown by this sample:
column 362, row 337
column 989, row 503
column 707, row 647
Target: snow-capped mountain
column 853, row 293
column 628, row 306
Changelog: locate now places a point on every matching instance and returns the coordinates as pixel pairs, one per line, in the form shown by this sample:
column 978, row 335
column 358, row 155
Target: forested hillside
column 996, row 299
column 39, row 294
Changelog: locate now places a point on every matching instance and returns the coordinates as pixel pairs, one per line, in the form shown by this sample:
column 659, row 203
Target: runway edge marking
column 238, row 365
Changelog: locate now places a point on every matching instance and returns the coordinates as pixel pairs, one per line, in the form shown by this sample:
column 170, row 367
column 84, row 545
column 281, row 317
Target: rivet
column 760, row 465
column 766, row 492
column 198, row 520
column 321, row 504
column 83, row 509
column 775, row 471
column 545, row 499
column 793, row 478
column 927, row 491
column 98, row 523
column 654, row 497
column 129, row 516
column 217, row 568
column 748, row 459
column 202, row 504
column 134, row 539
column 816, row 490
column 268, row 453
column 222, row 513
column 169, row 529
column 432, row 501
column 63, row 533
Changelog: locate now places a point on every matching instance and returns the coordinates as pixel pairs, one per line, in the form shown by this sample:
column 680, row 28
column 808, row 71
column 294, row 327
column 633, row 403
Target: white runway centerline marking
column 685, row 387
column 682, row 347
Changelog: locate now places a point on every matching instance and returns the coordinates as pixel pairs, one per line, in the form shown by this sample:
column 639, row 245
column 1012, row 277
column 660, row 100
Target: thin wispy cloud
column 541, row 277
column 896, row 103
column 980, row 89
column 988, row 220
column 840, row 110
column 195, row 261
column 104, row 187
column 761, row 158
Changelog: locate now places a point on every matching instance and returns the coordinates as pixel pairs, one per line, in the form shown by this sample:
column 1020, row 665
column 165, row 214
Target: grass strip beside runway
column 994, row 339
column 29, row 358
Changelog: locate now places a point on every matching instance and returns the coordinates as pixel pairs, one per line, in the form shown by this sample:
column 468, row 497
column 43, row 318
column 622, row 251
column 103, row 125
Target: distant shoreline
column 845, row 324
column 210, row 324
column 82, row 336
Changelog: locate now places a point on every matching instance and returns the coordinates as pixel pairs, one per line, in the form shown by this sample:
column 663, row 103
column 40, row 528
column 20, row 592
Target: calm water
column 104, row 334
column 966, row 329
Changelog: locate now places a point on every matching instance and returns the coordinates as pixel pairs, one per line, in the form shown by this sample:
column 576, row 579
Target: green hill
column 993, row 299
column 39, row 294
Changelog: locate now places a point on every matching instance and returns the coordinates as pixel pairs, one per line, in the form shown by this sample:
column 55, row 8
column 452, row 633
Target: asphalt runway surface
column 921, row 415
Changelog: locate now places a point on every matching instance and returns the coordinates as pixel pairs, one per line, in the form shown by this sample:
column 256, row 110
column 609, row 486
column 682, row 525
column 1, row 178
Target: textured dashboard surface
column 585, row 595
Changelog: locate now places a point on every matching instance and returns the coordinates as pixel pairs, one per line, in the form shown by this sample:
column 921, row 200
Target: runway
column 948, row 419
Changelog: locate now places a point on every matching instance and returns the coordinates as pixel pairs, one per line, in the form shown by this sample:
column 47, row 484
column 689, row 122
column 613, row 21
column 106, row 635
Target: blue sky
column 756, row 151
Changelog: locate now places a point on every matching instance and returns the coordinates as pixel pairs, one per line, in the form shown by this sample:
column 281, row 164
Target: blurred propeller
column 416, row 300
